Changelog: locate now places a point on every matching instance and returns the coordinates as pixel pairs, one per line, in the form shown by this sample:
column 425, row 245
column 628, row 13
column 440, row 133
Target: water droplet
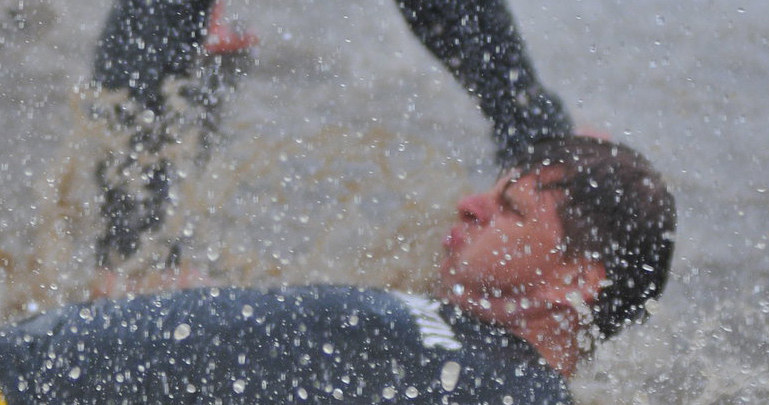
column 485, row 304
column 301, row 393
column 525, row 303
column 652, row 306
column 459, row 289
column 85, row 314
column 507, row 400
column 328, row 348
column 74, row 373
column 182, row 331
column 450, row 375
column 519, row 371
column 239, row 386
column 412, row 392
column 191, row 388
column 647, row 267
column 338, row 394
column 212, row 253
column 147, row 116
column 575, row 298
column 388, row 393
column 764, row 306
column 247, row 311
column 188, row 230
column 353, row 320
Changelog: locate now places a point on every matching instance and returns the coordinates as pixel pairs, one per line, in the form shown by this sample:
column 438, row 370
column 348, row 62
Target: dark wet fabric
column 478, row 42
column 294, row 345
column 141, row 44
column 143, row 41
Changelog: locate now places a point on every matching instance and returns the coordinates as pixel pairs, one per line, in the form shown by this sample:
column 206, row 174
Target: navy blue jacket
column 317, row 344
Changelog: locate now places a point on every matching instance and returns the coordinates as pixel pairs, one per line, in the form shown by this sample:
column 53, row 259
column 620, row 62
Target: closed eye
column 509, row 205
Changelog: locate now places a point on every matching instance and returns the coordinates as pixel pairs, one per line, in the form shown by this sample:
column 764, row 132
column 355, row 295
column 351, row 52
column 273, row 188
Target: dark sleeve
column 478, row 42
column 145, row 40
column 211, row 345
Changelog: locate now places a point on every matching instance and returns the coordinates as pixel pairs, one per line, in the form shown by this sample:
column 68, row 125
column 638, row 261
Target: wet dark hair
column 617, row 209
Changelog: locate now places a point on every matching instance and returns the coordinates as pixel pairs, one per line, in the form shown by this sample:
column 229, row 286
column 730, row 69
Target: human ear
column 590, row 278
column 581, row 281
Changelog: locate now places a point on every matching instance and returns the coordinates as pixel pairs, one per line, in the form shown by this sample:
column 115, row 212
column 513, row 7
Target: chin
column 445, row 274
column 451, row 268
column 449, row 273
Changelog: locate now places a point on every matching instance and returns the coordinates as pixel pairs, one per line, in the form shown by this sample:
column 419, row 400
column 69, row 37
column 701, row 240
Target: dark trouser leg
column 166, row 123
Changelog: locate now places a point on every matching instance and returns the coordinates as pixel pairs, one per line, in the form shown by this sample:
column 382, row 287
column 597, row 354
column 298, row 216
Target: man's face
column 505, row 239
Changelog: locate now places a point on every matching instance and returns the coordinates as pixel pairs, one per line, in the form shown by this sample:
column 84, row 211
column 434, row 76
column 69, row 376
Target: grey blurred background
column 347, row 137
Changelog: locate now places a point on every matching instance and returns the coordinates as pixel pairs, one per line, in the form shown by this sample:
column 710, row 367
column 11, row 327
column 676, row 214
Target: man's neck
column 551, row 330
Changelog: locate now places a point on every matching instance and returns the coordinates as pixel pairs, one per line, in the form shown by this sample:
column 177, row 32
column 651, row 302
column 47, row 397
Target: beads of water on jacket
column 247, row 311
column 450, row 375
column 182, row 331
column 239, row 386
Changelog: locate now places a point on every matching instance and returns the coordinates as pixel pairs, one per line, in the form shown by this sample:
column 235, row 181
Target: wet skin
column 505, row 264
column 506, row 239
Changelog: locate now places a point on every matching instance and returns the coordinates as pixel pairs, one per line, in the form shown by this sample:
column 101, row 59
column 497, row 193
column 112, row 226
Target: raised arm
column 478, row 42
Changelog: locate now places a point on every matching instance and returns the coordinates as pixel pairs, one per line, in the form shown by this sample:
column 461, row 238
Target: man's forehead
column 542, row 175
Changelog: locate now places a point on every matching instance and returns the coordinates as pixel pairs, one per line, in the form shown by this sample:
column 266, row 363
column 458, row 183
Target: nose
column 475, row 209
